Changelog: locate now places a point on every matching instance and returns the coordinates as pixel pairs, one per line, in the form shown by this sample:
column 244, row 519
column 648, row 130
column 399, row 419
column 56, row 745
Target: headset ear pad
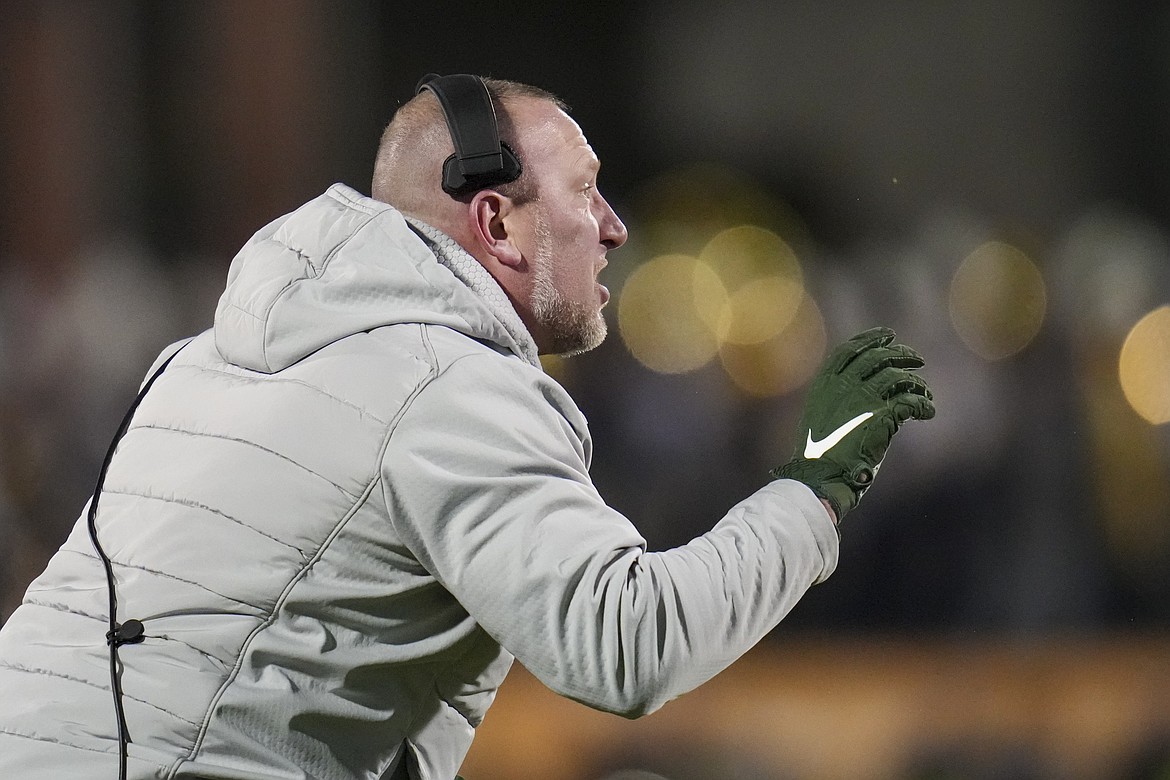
column 480, row 159
column 460, row 177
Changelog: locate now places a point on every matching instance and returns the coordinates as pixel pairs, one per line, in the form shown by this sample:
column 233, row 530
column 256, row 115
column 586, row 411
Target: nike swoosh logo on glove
column 815, row 449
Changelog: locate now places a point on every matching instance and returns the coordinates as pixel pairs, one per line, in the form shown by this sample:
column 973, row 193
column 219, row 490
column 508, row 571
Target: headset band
column 480, row 159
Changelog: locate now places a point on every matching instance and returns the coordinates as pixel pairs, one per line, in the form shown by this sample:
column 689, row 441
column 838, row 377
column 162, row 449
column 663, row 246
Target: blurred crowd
column 142, row 144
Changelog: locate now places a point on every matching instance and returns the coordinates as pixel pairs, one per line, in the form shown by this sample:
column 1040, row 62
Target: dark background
column 142, row 143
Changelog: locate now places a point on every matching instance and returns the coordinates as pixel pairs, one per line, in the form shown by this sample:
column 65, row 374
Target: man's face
column 567, row 231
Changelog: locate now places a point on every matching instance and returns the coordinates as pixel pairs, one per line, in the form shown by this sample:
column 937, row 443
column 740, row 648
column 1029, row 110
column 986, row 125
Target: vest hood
column 340, row 264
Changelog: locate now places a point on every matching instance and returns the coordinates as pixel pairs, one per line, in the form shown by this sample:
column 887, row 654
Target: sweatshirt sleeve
column 486, row 481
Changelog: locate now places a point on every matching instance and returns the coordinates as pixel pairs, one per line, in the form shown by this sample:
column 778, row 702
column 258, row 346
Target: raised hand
column 866, row 389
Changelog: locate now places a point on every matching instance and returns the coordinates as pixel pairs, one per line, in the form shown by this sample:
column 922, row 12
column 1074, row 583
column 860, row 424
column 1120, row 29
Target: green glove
column 865, row 390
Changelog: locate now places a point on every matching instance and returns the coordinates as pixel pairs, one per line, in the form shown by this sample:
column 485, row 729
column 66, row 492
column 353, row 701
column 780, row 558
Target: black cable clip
column 129, row 633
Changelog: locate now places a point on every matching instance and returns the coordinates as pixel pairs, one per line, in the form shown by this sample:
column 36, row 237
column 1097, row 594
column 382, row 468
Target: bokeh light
column 997, row 300
column 682, row 209
column 555, row 366
column 1145, row 366
column 763, row 277
column 747, row 252
column 782, row 363
column 760, row 310
column 721, row 278
column 665, row 313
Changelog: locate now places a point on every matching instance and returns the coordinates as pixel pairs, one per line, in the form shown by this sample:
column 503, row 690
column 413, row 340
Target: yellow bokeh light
column 745, row 253
column 682, row 209
column 666, row 310
column 782, row 363
column 555, row 366
column 1144, row 367
column 763, row 277
column 760, row 310
column 997, row 300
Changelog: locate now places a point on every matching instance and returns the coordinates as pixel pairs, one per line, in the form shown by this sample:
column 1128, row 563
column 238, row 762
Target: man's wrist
column 829, row 509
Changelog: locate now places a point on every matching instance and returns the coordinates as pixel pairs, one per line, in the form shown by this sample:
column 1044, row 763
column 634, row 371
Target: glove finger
column 910, row 383
column 846, row 353
column 896, row 356
column 889, row 382
column 911, row 406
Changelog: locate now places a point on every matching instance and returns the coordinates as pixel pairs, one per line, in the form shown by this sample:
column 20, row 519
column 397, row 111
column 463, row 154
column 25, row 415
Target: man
column 341, row 512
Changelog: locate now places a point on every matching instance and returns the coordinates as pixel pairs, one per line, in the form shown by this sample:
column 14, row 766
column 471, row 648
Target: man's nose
column 613, row 231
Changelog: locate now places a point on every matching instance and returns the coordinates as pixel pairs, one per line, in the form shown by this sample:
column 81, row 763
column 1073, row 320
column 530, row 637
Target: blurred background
column 990, row 179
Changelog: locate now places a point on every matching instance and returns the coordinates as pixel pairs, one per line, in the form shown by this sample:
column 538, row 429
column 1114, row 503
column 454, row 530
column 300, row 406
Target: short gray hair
column 419, row 125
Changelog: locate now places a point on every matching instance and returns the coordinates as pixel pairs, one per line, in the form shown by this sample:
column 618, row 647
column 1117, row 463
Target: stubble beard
column 573, row 326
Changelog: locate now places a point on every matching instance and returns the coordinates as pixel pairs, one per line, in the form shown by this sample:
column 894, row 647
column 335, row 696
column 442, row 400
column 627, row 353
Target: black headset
column 481, row 159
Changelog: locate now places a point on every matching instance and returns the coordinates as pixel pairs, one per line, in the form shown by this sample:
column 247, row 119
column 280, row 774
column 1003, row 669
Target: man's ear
column 486, row 214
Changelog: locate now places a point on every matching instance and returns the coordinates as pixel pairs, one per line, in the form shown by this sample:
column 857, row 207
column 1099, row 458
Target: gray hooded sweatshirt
column 343, row 511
